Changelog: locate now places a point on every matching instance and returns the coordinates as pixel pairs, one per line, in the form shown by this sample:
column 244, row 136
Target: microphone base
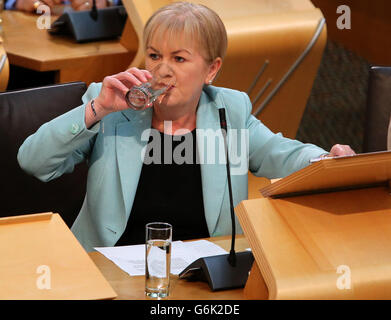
column 217, row 271
column 85, row 26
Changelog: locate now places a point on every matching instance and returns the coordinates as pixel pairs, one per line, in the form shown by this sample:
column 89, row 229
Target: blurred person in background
column 78, row 5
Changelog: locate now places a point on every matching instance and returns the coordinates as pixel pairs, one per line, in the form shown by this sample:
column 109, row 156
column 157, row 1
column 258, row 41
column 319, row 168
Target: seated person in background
column 125, row 190
column 78, row 5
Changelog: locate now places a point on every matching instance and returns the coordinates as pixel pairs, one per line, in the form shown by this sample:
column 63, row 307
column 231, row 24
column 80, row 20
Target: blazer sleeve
column 272, row 155
column 58, row 145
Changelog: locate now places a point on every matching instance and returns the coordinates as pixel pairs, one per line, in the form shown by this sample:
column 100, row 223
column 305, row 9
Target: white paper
column 131, row 259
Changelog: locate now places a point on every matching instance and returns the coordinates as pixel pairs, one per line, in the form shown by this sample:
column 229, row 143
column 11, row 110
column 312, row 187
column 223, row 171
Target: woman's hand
column 112, row 94
column 79, row 5
column 341, row 150
column 32, row 5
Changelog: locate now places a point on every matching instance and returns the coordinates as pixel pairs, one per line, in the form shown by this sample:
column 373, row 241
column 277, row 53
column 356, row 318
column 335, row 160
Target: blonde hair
column 193, row 21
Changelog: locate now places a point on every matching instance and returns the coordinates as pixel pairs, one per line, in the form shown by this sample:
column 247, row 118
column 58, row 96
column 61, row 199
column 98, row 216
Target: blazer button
column 75, row 128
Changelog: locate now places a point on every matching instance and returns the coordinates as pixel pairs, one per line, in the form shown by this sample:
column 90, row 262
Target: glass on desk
column 158, row 259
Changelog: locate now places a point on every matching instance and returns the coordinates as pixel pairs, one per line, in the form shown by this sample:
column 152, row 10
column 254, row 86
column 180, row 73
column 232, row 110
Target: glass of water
column 143, row 96
column 158, row 259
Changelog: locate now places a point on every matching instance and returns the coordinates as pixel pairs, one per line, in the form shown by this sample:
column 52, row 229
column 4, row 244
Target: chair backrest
column 378, row 109
column 22, row 112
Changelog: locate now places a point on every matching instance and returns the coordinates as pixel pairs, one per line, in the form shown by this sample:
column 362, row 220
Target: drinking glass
column 157, row 259
column 142, row 97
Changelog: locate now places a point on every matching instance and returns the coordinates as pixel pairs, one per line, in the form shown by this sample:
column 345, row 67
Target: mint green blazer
column 113, row 148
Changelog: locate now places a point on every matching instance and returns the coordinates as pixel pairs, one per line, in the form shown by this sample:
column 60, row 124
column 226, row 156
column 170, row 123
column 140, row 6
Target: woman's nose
column 165, row 70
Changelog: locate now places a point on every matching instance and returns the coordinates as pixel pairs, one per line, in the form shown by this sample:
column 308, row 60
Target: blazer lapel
column 130, row 143
column 213, row 167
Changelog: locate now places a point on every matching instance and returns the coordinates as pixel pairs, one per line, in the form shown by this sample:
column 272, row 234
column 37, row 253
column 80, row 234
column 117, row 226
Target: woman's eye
column 153, row 56
column 179, row 59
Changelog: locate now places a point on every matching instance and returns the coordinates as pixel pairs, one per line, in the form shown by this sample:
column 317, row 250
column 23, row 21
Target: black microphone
column 223, row 125
column 94, row 11
column 225, row 271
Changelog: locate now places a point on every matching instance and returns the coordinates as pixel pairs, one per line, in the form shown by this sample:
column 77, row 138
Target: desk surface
column 132, row 287
column 33, row 48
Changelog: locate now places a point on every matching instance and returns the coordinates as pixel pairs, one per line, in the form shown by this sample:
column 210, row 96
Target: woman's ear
column 214, row 68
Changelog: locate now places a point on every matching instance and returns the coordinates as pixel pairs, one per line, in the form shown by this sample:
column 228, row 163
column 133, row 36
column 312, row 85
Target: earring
column 210, row 81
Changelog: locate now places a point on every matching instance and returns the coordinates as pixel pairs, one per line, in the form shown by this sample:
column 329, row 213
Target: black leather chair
column 378, row 109
column 22, row 112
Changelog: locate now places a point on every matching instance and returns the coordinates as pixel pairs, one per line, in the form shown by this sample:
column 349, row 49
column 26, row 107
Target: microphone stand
column 223, row 271
column 223, row 125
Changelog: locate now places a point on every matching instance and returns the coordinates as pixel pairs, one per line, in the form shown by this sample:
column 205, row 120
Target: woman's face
column 188, row 65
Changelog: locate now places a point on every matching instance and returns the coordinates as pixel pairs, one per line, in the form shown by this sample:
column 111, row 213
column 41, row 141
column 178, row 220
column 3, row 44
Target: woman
column 123, row 193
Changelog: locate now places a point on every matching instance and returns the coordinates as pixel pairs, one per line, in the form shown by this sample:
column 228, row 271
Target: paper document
column 131, row 259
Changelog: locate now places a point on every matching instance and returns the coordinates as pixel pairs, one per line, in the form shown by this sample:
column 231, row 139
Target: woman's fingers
column 341, row 150
column 142, row 75
column 116, row 83
column 133, row 77
column 79, row 5
column 49, row 3
column 32, row 5
column 147, row 74
column 129, row 79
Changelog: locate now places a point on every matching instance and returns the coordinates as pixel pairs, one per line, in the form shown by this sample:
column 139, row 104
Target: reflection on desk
column 132, row 288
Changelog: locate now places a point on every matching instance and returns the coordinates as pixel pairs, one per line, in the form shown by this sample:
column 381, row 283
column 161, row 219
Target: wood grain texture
column 30, row 241
column 256, row 288
column 255, row 184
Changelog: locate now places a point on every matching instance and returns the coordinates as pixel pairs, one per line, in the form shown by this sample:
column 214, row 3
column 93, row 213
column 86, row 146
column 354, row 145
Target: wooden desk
column 132, row 287
column 33, row 48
